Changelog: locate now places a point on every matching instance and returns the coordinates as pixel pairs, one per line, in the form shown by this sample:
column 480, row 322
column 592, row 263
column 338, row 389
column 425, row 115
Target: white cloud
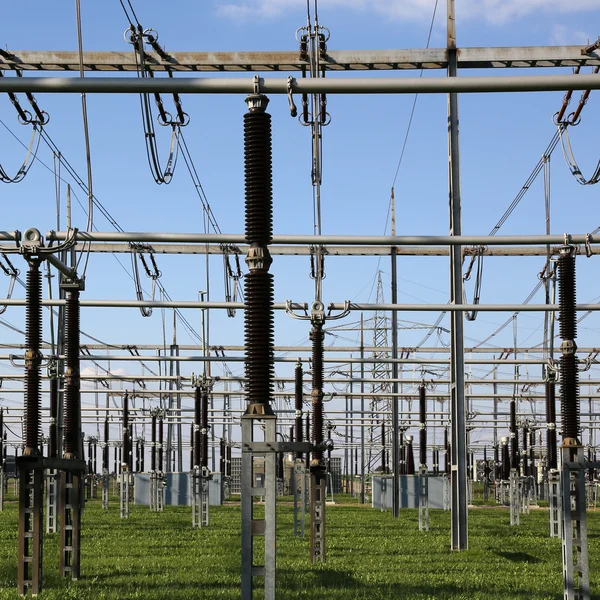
column 493, row 11
column 564, row 36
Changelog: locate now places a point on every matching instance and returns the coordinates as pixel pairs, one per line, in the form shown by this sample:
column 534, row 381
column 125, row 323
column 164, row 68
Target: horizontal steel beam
column 352, row 306
column 335, row 60
column 315, row 240
column 353, row 85
column 330, row 250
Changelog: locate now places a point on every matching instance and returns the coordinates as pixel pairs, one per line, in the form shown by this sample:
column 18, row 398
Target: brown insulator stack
column 423, row 426
column 505, row 460
column 402, row 454
column 130, row 455
column 410, row 456
column 204, row 430
column 160, row 444
column 125, row 431
column 551, row 452
column 298, row 398
column 222, row 457
column 33, row 357
column 258, row 291
column 72, row 376
column 514, row 436
column 569, row 373
column 52, row 430
column 307, row 431
column 316, row 337
column 153, row 438
column 192, row 428
column 105, row 448
column 446, row 452
column 197, row 461
column 524, row 453
column 497, row 472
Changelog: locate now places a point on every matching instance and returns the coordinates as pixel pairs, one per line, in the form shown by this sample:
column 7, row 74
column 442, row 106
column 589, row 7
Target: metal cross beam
column 335, row 60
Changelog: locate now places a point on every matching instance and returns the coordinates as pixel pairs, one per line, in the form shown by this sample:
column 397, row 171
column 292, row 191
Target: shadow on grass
column 520, row 557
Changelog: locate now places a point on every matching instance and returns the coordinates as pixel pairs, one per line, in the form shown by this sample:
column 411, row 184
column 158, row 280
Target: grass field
column 371, row 556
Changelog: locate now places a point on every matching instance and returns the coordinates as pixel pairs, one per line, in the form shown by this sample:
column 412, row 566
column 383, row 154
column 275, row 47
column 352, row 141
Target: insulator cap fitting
column 257, row 102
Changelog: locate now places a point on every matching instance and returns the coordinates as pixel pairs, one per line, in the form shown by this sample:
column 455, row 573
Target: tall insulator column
column 204, row 430
column 153, row 438
column 72, row 435
column 318, row 435
column 52, row 430
column 446, row 452
column 514, row 436
column 551, row 452
column 524, row 454
column 196, row 428
column 410, row 456
column 33, row 358
column 505, row 459
column 307, row 431
column 497, row 470
column 258, row 291
column 105, row 448
column 423, row 426
column 299, row 398
column 569, row 373
column 125, row 431
column 160, row 443
column 222, row 457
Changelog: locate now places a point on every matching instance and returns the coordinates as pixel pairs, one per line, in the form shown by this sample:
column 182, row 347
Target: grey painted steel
column 335, row 60
column 251, row 526
column 281, row 250
column 459, row 529
column 409, row 491
column 576, row 570
column 354, row 240
column 354, row 85
column 395, row 400
column 423, row 499
column 352, row 306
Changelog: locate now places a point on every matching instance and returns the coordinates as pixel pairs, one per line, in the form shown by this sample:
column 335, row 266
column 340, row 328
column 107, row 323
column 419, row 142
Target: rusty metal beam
column 336, row 60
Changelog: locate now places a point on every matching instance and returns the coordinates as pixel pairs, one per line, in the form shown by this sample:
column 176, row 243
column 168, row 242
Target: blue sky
column 502, row 138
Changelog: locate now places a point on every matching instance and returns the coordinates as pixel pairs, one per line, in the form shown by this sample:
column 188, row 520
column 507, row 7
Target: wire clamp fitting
column 588, row 245
column 290, row 91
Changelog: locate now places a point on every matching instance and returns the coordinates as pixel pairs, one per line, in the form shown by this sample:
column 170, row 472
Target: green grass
column 370, row 556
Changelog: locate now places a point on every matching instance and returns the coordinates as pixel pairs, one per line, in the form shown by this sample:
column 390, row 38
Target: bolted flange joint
column 568, row 347
column 258, row 258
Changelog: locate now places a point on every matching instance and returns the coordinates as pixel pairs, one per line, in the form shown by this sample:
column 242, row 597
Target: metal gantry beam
column 280, row 86
column 335, row 60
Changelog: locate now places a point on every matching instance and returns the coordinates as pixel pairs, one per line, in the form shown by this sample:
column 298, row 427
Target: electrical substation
column 147, row 369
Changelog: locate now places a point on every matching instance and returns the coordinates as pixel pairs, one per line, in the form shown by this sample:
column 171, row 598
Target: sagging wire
column 10, row 271
column 25, row 117
column 138, row 36
column 573, row 119
column 476, row 258
column 137, row 252
column 232, row 275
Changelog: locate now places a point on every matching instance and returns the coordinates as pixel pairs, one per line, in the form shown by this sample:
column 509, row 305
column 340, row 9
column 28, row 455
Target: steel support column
column 457, row 370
